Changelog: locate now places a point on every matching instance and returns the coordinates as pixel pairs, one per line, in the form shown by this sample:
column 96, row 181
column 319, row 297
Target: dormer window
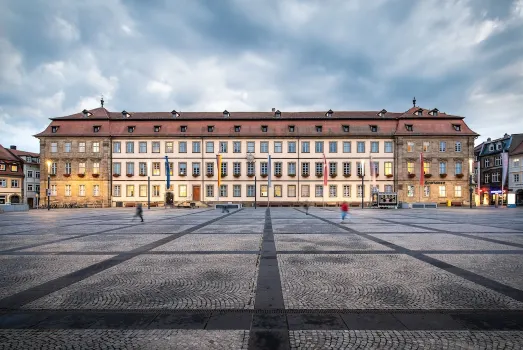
column 210, row 128
column 418, row 112
column 456, row 127
column 329, row 113
column 86, row 113
column 226, row 114
column 130, row 129
column 319, row 128
column 54, row 129
column 175, row 114
column 277, row 114
column 434, row 112
column 237, row 128
column 157, row 128
column 491, row 148
column 291, row 128
column 382, row 113
column 345, row 128
column 126, row 114
column 498, row 146
column 96, row 128
column 409, row 127
column 183, row 128
column 264, row 128
column 374, row 128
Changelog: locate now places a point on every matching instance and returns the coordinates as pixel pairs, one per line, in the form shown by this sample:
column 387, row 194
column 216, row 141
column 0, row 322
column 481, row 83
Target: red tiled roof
column 518, row 150
column 6, row 155
column 19, row 153
column 422, row 126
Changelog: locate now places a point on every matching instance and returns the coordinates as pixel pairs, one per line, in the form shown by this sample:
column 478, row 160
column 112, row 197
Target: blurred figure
column 139, row 212
column 344, row 210
column 306, row 207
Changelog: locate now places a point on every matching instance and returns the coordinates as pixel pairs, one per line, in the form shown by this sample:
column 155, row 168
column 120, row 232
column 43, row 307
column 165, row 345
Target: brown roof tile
column 421, row 126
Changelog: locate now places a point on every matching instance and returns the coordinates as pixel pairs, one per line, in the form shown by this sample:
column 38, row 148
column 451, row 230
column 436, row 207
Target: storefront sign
column 434, row 182
column 511, row 200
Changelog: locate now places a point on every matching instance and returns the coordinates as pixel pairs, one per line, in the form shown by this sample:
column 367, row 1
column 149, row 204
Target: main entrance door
column 195, row 193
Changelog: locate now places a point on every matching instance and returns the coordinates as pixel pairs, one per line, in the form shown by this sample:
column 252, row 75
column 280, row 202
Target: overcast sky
column 57, row 57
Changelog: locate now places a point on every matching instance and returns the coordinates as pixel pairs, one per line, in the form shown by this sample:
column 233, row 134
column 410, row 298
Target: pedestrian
column 225, row 208
column 306, row 207
column 344, row 210
column 139, row 211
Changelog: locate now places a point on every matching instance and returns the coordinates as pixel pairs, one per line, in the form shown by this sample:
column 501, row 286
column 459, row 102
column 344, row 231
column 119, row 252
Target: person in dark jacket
column 139, row 211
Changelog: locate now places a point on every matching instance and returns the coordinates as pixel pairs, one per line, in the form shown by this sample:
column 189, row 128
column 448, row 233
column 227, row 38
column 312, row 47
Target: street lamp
column 48, row 185
column 362, row 182
column 149, row 185
column 37, row 205
column 470, row 182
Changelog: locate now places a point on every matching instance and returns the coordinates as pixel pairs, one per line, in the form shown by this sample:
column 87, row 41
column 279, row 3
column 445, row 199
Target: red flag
column 324, row 170
column 422, row 170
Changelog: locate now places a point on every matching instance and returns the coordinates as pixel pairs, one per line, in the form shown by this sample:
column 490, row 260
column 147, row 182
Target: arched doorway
column 169, row 198
column 15, row 199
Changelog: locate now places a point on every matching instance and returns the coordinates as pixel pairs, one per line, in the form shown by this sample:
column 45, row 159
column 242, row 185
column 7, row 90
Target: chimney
column 12, row 147
column 506, row 135
column 273, row 109
column 489, row 139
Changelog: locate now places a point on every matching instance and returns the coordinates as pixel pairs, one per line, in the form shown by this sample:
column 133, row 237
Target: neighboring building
column 11, row 178
column 132, row 146
column 31, row 185
column 515, row 176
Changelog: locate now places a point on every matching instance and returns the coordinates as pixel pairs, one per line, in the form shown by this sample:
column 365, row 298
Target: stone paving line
column 32, row 294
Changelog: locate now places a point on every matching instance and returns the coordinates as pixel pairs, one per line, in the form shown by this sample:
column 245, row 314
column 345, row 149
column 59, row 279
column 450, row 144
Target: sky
column 464, row 57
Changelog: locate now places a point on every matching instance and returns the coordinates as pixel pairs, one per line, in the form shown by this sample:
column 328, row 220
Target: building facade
column 515, row 171
column 11, row 178
column 31, row 184
column 316, row 157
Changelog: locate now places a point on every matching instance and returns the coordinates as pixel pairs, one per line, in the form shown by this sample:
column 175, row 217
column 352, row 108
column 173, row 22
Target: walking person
column 225, row 208
column 344, row 210
column 139, row 211
column 306, row 207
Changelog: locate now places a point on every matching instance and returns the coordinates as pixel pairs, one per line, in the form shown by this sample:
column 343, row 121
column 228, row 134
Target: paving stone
column 325, row 242
column 231, row 229
column 214, row 242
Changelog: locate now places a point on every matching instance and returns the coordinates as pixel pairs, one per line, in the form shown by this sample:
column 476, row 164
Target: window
column 291, row 128
column 388, row 188
column 117, row 189
column 3, row 183
column 374, row 147
column 457, row 191
column 319, row 128
column 81, row 147
column 388, row 147
column 224, row 169
column 498, row 146
column 426, row 146
column 236, row 190
column 305, row 191
column 410, row 191
column 54, row 129
column 277, row 191
column 263, row 191
column 345, row 128
column 319, row 168
column 183, row 128
column 196, row 169
column 487, row 178
column 333, row 168
column 346, row 169
column 2, row 166
column 142, row 169
column 495, row 177
column 142, row 147
column 15, row 184
column 156, row 147
column 491, row 148
column 442, row 191
column 236, row 168
column 182, row 147
column 182, row 169
column 209, row 147
column 250, row 147
column 277, row 147
column 442, row 167
column 37, row 188
column 426, row 168
column 169, row 147
column 210, row 169
column 333, row 191
column 277, row 168
column 29, row 173
column 237, row 128
column 117, row 147
column 359, row 169
column 171, row 168
column 130, row 190
column 251, row 190
column 291, row 169
column 346, row 191
column 81, row 168
column 223, row 146
column 67, row 147
column 68, row 190
column 410, row 146
column 305, row 169
column 264, row 128
column 117, row 168
column 373, row 128
column 319, row 146
column 516, row 177
column 410, row 167
column 305, row 147
column 426, row 191
column 346, row 147
column 487, row 163
column 156, row 191
column 237, row 147
column 182, row 190
column 409, row 127
column 209, row 190
column 129, row 147
column 291, row 190
column 37, row 174
column 443, row 146
column 81, row 190
column 210, row 128
column 388, row 168
column 129, row 168
column 361, row 147
column 359, row 193
column 457, row 147
column 157, row 128
column 333, row 147
column 264, row 147
column 54, row 147
column 291, row 147
column 497, row 161
column 96, row 190
column 223, row 190
column 459, row 168
column 264, row 168
column 375, row 168
column 318, row 191
column 156, row 168
column 515, row 163
column 457, row 127
column 14, row 168
column 96, row 168
column 96, row 147
column 250, row 169
column 130, row 129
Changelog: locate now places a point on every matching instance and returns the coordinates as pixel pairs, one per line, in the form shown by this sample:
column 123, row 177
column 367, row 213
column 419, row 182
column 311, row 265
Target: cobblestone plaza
column 262, row 279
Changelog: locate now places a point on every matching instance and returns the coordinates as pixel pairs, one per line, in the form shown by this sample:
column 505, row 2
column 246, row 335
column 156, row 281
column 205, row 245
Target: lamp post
column 362, row 182
column 470, row 183
column 48, row 185
column 37, row 206
column 149, row 185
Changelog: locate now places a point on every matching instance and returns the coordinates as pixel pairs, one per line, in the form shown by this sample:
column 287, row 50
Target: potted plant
column 142, row 174
column 96, row 175
column 333, row 175
column 116, row 175
column 304, row 175
column 250, row 174
column 224, row 174
column 52, row 174
column 428, row 176
column 318, row 175
column 346, row 175
column 277, row 175
column 237, row 175
column 412, row 175
column 389, row 176
column 130, row 175
column 195, row 175
column 443, row 176
column 292, row 175
column 263, row 175
column 182, row 174
column 210, row 175
column 377, row 174
column 81, row 175
column 459, row 176
column 67, row 175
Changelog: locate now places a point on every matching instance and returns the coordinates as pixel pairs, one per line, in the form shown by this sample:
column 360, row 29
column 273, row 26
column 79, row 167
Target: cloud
column 461, row 56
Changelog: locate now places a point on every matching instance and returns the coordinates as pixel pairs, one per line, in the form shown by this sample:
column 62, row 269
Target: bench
column 456, row 204
column 227, row 206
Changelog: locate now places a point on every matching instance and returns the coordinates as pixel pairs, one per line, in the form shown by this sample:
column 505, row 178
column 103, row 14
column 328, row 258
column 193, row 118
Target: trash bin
column 448, row 203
